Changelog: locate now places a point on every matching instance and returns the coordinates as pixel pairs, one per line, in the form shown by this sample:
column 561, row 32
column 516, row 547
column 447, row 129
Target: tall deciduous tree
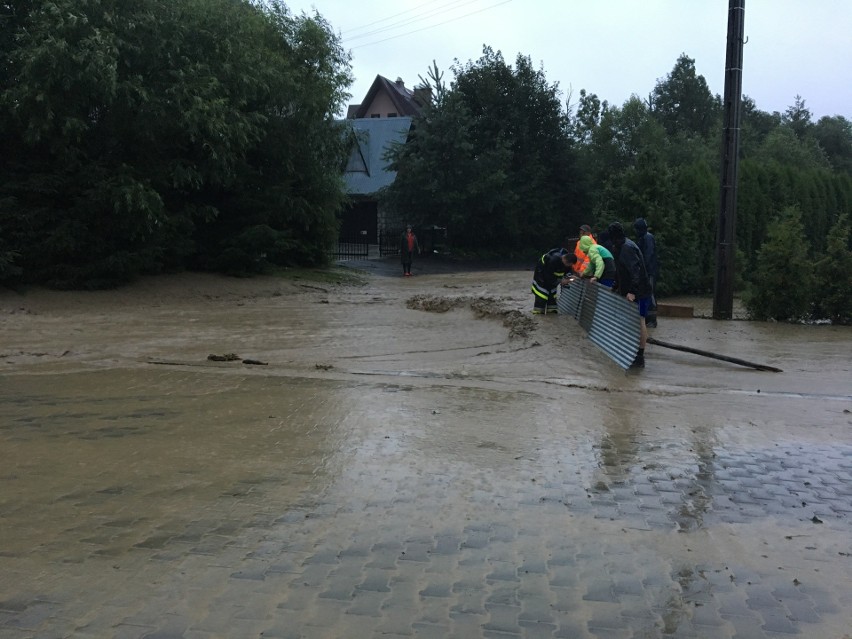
column 492, row 159
column 683, row 103
column 660, row 160
column 642, row 171
column 834, row 135
column 163, row 133
column 756, row 125
column 587, row 117
column 784, row 147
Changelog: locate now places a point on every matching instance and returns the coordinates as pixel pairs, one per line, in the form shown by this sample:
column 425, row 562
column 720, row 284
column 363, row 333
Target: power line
column 412, row 19
column 368, row 44
column 395, row 15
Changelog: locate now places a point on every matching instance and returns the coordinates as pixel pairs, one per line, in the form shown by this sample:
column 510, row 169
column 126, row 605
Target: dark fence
column 352, row 246
column 432, row 240
column 356, row 245
column 389, row 242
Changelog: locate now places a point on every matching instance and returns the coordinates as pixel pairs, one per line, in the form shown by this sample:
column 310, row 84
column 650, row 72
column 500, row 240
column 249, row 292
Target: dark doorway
column 361, row 219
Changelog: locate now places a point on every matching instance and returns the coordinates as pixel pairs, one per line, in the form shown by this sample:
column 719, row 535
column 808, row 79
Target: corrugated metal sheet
column 610, row 320
column 570, row 299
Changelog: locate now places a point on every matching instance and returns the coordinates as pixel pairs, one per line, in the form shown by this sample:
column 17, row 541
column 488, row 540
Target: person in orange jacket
column 582, row 262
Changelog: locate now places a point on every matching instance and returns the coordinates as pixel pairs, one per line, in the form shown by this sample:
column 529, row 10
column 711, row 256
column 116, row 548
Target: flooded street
column 412, row 457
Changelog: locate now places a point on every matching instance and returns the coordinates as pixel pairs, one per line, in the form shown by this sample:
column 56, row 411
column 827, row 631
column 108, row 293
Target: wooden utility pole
column 726, row 247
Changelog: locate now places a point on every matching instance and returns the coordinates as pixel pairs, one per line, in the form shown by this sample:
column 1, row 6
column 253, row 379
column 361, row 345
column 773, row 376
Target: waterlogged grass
column 338, row 275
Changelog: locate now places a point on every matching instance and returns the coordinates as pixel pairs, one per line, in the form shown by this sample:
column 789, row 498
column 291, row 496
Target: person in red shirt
column 408, row 246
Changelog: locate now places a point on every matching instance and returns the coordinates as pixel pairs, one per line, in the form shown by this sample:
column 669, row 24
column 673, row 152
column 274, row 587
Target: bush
column 782, row 287
column 831, row 277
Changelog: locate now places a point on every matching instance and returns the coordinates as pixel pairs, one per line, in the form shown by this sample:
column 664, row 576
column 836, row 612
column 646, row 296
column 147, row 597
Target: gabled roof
column 366, row 171
column 401, row 96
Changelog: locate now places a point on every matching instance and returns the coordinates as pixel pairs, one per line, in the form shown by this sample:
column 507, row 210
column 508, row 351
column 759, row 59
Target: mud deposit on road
column 411, row 457
column 520, row 325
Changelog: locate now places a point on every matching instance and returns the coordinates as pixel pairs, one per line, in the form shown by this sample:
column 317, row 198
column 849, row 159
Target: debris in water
column 227, row 357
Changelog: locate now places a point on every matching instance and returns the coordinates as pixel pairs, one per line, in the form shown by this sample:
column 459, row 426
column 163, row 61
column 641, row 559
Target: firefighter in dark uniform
column 549, row 272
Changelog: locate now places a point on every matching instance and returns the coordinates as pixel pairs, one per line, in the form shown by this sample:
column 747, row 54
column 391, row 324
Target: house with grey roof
column 367, row 172
column 383, row 119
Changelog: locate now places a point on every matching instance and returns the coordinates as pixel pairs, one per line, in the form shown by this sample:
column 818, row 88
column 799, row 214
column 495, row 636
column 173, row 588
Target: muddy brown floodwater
column 412, row 457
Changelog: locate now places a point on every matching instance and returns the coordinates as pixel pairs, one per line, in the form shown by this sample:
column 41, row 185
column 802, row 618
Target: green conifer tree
column 832, row 276
column 783, row 280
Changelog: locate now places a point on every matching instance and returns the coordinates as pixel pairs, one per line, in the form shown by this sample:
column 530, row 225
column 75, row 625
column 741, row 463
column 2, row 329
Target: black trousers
column 407, row 258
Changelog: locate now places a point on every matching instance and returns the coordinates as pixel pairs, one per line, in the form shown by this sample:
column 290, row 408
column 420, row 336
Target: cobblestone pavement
column 383, row 500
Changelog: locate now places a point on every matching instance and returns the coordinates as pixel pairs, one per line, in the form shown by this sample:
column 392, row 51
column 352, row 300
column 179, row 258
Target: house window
column 391, row 115
column 375, row 115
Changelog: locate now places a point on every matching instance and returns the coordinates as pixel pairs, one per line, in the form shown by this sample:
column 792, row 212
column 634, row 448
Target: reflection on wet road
column 531, row 491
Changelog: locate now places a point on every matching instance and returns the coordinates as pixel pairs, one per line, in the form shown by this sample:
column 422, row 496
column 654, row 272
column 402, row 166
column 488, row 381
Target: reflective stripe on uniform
column 539, row 292
column 542, row 292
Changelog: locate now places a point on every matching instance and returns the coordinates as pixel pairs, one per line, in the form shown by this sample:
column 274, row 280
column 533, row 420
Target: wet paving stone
column 437, row 536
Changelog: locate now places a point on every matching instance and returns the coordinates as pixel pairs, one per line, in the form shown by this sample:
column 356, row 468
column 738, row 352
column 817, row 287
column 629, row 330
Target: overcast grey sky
column 613, row 48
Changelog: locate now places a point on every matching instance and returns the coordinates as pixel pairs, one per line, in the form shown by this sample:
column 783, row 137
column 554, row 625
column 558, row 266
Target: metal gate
column 389, row 242
column 351, row 246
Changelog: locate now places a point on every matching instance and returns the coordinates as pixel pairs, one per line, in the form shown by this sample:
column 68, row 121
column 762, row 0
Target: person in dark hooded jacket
column 648, row 245
column 632, row 281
